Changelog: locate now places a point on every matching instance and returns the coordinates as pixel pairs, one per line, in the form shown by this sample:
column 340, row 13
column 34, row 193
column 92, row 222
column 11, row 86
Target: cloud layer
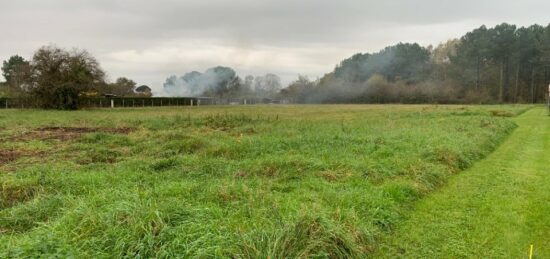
column 149, row 40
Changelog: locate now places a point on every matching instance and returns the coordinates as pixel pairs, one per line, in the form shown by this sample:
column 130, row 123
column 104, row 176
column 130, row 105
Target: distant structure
column 109, row 95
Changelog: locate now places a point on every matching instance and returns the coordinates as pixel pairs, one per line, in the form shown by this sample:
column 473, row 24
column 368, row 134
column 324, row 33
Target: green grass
column 496, row 209
column 234, row 181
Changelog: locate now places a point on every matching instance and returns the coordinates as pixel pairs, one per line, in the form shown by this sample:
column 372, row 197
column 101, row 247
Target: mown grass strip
column 496, row 209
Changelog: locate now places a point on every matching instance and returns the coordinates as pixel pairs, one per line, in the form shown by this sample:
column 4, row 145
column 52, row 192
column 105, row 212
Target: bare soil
column 64, row 133
column 7, row 156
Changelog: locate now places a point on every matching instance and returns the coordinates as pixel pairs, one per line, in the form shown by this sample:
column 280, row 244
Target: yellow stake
column 531, row 252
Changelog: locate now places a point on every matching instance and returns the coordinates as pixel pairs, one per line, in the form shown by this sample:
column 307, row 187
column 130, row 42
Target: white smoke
column 219, row 80
column 195, row 83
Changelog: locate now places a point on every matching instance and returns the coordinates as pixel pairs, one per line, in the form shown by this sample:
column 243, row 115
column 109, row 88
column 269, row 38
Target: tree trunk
column 501, row 87
column 477, row 74
column 533, row 85
column 516, row 90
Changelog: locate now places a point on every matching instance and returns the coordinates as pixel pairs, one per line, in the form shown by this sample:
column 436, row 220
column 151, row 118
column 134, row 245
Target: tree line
column 57, row 78
column 503, row 64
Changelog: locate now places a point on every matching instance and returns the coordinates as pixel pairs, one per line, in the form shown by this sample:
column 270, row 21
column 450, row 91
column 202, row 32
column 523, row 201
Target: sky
column 148, row 41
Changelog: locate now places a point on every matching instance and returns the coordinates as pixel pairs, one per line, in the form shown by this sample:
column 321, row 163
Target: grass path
column 495, row 209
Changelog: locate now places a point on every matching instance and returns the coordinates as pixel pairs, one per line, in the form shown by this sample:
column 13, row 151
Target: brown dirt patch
column 7, row 156
column 241, row 174
column 334, row 176
column 501, row 113
column 64, row 133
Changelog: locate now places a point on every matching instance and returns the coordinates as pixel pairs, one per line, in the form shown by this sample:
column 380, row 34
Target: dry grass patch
column 64, row 133
column 8, row 156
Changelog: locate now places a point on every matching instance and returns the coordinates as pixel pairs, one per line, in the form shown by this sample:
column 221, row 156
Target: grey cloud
column 280, row 36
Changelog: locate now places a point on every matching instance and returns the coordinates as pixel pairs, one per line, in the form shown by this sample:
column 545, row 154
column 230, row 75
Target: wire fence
column 135, row 102
column 129, row 102
column 17, row 103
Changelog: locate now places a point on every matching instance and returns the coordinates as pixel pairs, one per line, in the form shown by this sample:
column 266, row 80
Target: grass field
column 496, row 209
column 245, row 182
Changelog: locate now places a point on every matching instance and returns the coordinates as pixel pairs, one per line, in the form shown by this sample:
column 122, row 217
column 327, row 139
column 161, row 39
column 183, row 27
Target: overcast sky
column 150, row 40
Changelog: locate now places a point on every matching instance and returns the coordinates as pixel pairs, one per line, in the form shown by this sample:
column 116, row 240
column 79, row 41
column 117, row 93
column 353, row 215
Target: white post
column 112, row 103
column 244, row 101
column 198, row 102
column 191, row 102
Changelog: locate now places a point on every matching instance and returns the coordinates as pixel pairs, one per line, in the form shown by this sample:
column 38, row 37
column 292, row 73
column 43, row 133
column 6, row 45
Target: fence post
column 112, row 103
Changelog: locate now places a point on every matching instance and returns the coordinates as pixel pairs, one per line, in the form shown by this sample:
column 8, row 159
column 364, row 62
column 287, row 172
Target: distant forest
column 503, row 64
